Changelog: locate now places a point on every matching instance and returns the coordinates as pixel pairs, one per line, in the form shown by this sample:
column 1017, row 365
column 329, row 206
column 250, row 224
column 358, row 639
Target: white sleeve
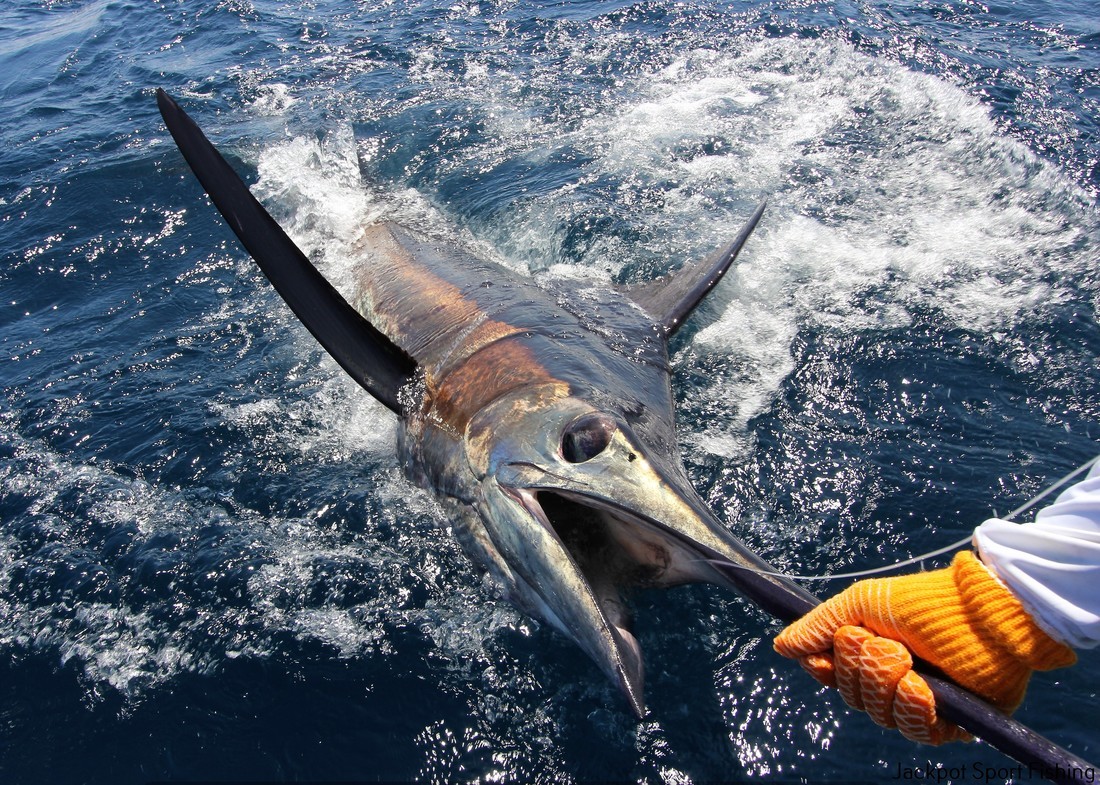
column 1053, row 564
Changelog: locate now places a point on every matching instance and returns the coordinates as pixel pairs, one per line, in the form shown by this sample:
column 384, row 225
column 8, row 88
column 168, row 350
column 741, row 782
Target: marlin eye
column 586, row 437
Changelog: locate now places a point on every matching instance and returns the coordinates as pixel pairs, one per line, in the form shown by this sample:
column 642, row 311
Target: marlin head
column 580, row 510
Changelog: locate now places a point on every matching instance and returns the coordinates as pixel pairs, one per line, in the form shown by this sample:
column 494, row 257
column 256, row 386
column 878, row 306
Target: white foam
column 891, row 193
column 315, row 188
column 272, row 99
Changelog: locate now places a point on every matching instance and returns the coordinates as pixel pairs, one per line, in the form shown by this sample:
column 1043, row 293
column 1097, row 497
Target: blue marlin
column 542, row 421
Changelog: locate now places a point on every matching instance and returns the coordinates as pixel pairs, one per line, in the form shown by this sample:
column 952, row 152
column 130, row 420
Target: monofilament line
column 930, row 554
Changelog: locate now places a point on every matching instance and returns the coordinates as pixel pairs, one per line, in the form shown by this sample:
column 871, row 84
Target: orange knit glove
column 960, row 619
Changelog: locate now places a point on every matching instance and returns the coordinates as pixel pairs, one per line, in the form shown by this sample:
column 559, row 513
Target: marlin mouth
column 594, row 539
column 606, row 546
column 612, row 552
column 630, row 551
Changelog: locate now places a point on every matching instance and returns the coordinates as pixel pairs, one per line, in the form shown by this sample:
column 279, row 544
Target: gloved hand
column 960, row 619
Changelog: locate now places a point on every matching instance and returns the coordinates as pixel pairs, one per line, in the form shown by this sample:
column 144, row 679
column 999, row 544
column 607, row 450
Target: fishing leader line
column 930, row 554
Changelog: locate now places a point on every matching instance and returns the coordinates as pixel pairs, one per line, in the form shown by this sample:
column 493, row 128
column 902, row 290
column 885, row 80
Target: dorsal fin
column 366, row 354
column 671, row 298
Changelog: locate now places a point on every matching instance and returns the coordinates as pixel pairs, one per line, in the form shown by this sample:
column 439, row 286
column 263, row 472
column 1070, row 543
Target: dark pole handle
column 787, row 601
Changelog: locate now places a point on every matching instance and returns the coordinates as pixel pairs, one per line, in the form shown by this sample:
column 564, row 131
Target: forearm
column 1053, row 564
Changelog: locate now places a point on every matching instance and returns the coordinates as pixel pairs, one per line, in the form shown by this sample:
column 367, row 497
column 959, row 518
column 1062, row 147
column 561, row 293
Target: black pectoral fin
column 363, row 351
column 672, row 298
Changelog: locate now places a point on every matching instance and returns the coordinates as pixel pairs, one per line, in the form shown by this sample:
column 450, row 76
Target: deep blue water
column 211, row 566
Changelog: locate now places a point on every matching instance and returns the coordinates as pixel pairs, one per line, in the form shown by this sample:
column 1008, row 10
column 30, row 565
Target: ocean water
column 211, row 565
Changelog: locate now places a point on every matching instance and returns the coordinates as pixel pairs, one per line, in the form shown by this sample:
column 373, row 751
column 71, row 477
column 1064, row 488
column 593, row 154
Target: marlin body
column 542, row 420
